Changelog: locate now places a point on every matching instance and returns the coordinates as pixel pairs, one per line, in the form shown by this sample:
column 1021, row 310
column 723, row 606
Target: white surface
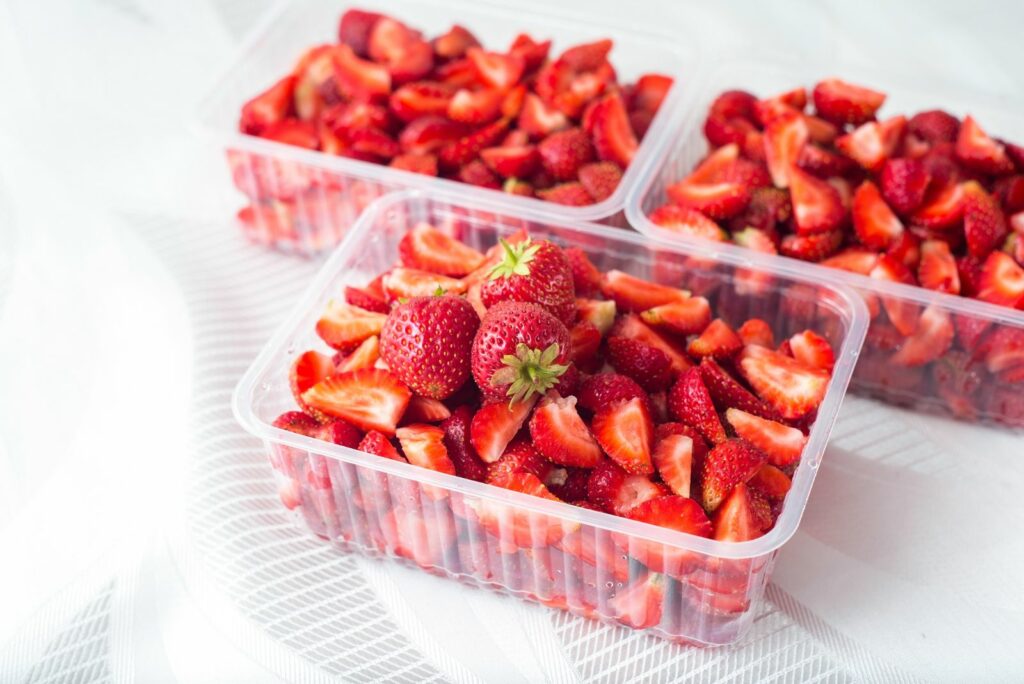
column 140, row 532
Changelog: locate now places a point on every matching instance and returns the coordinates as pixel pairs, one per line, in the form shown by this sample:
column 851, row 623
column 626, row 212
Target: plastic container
column 979, row 395
column 304, row 201
column 551, row 552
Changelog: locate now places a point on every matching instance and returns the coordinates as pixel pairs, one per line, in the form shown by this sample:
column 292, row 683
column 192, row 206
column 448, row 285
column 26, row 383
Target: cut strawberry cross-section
column 495, row 425
column 625, row 432
column 791, row 387
column 371, row 399
column 344, row 326
column 560, row 435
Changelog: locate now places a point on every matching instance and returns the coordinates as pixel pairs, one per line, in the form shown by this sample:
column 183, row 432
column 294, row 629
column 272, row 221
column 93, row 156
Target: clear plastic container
column 555, row 553
column 305, row 201
column 980, row 395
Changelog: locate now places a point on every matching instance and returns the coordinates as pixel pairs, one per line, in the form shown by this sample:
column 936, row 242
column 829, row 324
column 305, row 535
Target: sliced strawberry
column 425, row 410
column 790, row 386
column 811, row 247
column 405, row 283
column 756, row 331
column 812, row 349
column 454, row 43
column 425, row 164
column 687, row 222
column 943, row 207
column 370, row 399
column 363, row 356
column 560, row 435
column 854, row 260
column 293, row 132
column 269, row 107
column 460, row 449
column 781, row 443
column 871, row 144
column 586, row 345
column 844, row 103
column 632, row 327
column 344, row 327
column 771, row 483
column 874, row 222
column 539, row 120
column 426, row 248
column 731, row 463
column 600, row 179
column 567, row 194
column 649, row 366
column 823, row 163
column 423, row 446
column 496, row 424
column 932, row 338
column 1005, row 350
column 359, row 79
column 817, row 207
column 639, row 605
column 518, row 457
column 715, row 200
column 636, row 294
column 904, row 184
column 902, row 313
column 533, row 53
column 977, row 150
column 718, row 340
column 459, row 152
column 736, row 521
column 625, row 432
column 935, row 126
column 423, row 98
column 733, row 104
column 378, row 444
column 476, row 173
column 1001, row 281
column 514, row 186
column 428, row 134
column 612, row 134
column 613, row 490
column 585, row 276
column 937, row 270
column 475, row 107
column 598, row 312
column 783, row 140
column 984, row 223
column 512, row 162
column 308, row 369
column 673, row 458
column 499, row 71
column 674, row 512
column 784, row 104
column 604, row 390
column 690, row 402
column 355, row 27
column 684, row 317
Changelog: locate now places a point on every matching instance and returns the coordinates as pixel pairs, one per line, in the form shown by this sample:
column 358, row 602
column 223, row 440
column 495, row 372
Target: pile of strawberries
column 561, row 129
column 527, row 368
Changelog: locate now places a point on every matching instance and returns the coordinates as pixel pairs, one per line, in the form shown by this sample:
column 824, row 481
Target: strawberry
column 475, row 107
column 783, row 140
column 560, row 435
column 812, row 349
column 586, row 278
column 782, row 444
column 690, row 402
column 425, row 410
column 563, row 153
column 714, row 200
column 902, row 313
column 937, row 270
column 424, row 98
column 674, row 512
column 378, row 444
column 363, row 356
column 425, row 247
column 518, row 457
column 756, row 331
column 539, row 120
column 513, row 186
column 649, row 92
column 344, row 326
column 496, row 70
column 457, row 153
column 790, row 386
column 871, row 144
column 685, row 316
column 298, row 422
column 567, row 194
column 424, row 164
column 601, row 314
column 639, row 605
column 771, row 483
column 811, row 247
column 585, row 341
column 495, row 424
column 429, row 134
column 1005, row 350
column 511, row 161
column 1001, row 281
column 934, row 126
column 984, row 223
column 817, row 207
column 843, row 103
column 355, row 27
column 370, row 399
column 359, row 79
column 624, row 430
column 823, row 163
column 600, row 179
column 976, row 150
column 612, row 134
column 532, row 271
column 784, row 104
column 292, row 132
column 632, row 327
column 876, row 226
column 459, row 446
column 943, row 207
column 423, row 446
column 268, row 108
column 649, row 366
column 854, row 260
column 406, row 283
column 613, row 490
column 731, row 463
column 687, row 222
column 932, row 338
column 636, row 294
column 520, row 350
column 308, row 369
column 736, row 521
column 673, row 458
column 476, row 173
column 602, row 391
column 718, row 341
column 904, row 184
column 454, row 43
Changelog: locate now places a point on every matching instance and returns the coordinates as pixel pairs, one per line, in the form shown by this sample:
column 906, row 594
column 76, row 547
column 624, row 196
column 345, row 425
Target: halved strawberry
column 355, row 27
column 874, row 222
column 736, row 520
column 363, row 356
column 423, row 446
column 674, row 512
column 984, row 223
column 567, row 194
column 817, row 207
column 632, row 327
column 756, row 331
column 428, row 134
column 791, row 387
column 425, row 410
column 494, row 426
column 690, row 402
column 812, row 349
column 518, row 457
column 612, row 134
column 844, row 103
column 405, row 283
column 625, row 432
column 1001, row 281
column 454, row 43
column 615, row 491
column 564, row 152
column 1005, row 350
column 783, row 139
column 771, row 482
column 823, row 163
column 684, row 317
column 649, row 366
column 269, row 107
column 904, row 184
column 461, row 151
column 943, row 207
column 378, row 444
column 475, row 106
column 539, row 120
column 370, row 399
column 781, row 443
column 937, row 270
column 293, row 132
column 512, row 161
column 717, row 340
column 344, row 326
column 424, row 98
column 560, row 435
column 598, row 312
column 902, row 313
column 602, row 391
column 585, row 276
column 687, row 222
column 731, row 463
column 298, row 422
column 977, row 150
column 673, row 458
column 496, row 70
column 476, row 173
column 425, row 164
column 811, row 247
column 715, row 200
column 639, row 605
column 932, row 338
column 360, row 79
column 308, row 369
column 871, row 144
column 533, row 53
column 854, row 260
column 427, row 248
column 636, row 294
column 600, row 179
column 784, row 104
column 586, row 346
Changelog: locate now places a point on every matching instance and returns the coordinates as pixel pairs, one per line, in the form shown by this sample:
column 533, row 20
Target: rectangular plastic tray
column 551, row 552
column 307, row 200
column 988, row 400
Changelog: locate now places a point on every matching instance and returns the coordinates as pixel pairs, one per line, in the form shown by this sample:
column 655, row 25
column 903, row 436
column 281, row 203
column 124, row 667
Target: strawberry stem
column 529, row 372
column 516, row 261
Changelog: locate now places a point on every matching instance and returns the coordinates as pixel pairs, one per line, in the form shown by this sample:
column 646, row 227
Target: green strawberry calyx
column 516, row 260
column 529, row 371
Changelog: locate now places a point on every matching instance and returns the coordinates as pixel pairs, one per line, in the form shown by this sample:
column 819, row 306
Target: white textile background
column 140, row 533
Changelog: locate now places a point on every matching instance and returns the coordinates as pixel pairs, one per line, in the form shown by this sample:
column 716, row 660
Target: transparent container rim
column 709, row 87
column 663, row 125
column 245, row 392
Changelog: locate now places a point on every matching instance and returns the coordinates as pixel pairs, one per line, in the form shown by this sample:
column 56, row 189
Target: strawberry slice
column 783, row 139
column 494, row 426
column 1001, row 281
column 425, row 164
column 770, row 482
column 428, row 134
column 600, row 313
column 567, row 194
column 427, row 248
column 791, row 387
column 459, row 152
column 476, row 173
column 984, row 223
column 363, row 356
column 475, row 106
column 640, row 604
column 366, row 298
column 784, row 104
column 517, row 161
column 308, row 369
column 823, row 163
column 675, row 513
column 405, row 283
column 586, row 346
column 424, row 98
column 533, row 53
column 344, row 326
column 630, row 326
column 937, row 270
column 378, row 444
column 874, row 222
column 600, row 179
column 612, row 134
column 298, row 422
column 1005, row 350
column 905, row 183
column 853, row 260
column 454, row 43
column 603, row 390
column 781, row 443
column 687, row 222
column 978, row 151
column 902, row 313
column 269, row 107
column 812, row 349
column 613, row 490
column 423, row 446
column 715, row 200
column 518, row 457
column 718, row 341
column 684, row 317
column 731, row 463
column 811, row 247
column 636, row 294
column 943, row 207
column 360, row 79
column 690, row 402
column 673, row 458
column 736, row 521
column 425, row 410
column 871, row 144
column 292, row 132
column 496, row 70
column 756, row 331
column 817, row 206
column 370, row 399
column 844, row 103
column 460, row 449
column 560, row 435
column 726, row 392
column 930, row 340
column 539, row 120
column 625, row 431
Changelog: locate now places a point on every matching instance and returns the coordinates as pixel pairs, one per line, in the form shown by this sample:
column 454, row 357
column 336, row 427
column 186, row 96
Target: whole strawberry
column 533, row 271
column 427, row 342
column 520, row 350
